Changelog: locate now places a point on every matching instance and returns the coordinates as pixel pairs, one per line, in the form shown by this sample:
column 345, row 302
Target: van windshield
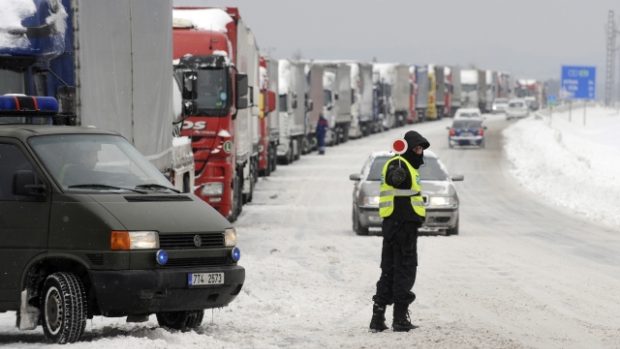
column 79, row 162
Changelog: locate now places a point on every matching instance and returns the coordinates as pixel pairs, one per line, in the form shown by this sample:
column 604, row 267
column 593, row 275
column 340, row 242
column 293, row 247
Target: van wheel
column 180, row 320
column 63, row 308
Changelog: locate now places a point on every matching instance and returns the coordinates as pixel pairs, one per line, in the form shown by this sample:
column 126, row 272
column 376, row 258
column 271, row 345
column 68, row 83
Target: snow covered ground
column 522, row 274
column 572, row 165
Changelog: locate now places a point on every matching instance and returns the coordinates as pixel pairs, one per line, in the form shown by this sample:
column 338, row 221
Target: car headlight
column 212, row 189
column 442, row 201
column 371, row 201
column 230, row 237
column 121, row 240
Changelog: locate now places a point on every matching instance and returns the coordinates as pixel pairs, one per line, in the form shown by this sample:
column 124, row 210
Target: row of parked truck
column 233, row 111
column 87, row 228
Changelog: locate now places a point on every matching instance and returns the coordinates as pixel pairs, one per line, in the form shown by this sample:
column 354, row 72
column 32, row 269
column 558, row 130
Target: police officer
column 402, row 208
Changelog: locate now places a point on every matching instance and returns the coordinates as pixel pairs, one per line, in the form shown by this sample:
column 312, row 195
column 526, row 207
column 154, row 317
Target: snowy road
column 521, row 274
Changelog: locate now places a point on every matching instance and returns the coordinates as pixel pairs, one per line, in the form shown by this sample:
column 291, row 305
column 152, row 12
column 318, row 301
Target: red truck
column 268, row 118
column 214, row 92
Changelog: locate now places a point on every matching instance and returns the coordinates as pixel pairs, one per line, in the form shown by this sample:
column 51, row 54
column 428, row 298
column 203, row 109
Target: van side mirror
column 294, row 104
column 190, row 85
column 242, row 101
column 310, row 105
column 25, row 184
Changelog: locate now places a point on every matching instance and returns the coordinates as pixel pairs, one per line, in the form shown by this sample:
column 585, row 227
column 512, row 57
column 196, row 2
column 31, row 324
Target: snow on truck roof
column 214, row 19
column 13, row 33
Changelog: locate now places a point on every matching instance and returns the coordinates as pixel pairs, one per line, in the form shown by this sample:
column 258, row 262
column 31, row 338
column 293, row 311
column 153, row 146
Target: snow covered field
column 570, row 164
column 522, row 274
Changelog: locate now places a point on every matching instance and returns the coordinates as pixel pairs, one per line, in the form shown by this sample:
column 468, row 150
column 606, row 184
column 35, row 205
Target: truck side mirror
column 336, row 96
column 271, row 102
column 25, row 184
column 242, row 101
column 190, row 85
column 310, row 105
column 294, row 103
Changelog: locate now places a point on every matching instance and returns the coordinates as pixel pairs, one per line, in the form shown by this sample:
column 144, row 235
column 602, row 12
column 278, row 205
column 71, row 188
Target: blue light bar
column 28, row 105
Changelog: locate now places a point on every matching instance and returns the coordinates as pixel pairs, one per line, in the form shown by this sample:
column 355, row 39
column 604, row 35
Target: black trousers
column 399, row 262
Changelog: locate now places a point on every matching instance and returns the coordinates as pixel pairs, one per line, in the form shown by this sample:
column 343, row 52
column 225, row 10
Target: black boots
column 402, row 322
column 377, row 323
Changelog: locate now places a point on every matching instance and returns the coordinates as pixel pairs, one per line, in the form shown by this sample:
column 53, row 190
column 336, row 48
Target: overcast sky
column 531, row 38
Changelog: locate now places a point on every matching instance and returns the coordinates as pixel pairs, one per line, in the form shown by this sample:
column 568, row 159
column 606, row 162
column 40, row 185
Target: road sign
column 399, row 146
column 552, row 99
column 578, row 82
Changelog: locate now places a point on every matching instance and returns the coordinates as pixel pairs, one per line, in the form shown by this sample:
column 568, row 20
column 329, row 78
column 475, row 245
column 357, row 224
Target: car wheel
column 454, row 230
column 180, row 320
column 358, row 228
column 63, row 308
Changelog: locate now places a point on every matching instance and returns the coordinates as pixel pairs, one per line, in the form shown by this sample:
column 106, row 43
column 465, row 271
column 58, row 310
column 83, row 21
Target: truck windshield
column 93, row 162
column 212, row 91
column 327, row 97
column 469, row 88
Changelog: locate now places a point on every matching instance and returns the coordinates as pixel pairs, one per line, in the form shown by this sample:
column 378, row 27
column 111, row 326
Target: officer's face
column 418, row 149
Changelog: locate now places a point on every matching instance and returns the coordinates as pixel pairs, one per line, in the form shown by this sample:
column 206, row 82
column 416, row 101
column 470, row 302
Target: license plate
column 198, row 279
column 466, row 134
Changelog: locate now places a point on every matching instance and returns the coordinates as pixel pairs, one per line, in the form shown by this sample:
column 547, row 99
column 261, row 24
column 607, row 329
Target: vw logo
column 197, row 241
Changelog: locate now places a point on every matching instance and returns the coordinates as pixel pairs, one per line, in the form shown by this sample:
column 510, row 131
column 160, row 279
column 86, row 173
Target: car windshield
column 516, row 105
column 95, row 162
column 469, row 115
column 466, row 124
column 431, row 170
column 212, row 91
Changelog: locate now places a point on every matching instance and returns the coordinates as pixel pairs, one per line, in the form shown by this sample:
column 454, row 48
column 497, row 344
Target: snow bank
column 11, row 15
column 573, row 166
column 214, row 19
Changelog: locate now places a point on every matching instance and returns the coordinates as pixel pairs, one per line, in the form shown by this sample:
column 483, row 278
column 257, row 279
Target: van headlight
column 121, row 240
column 442, row 201
column 230, row 237
column 212, row 189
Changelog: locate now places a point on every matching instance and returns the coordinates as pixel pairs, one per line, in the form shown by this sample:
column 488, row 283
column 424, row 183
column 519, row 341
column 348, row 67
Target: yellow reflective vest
column 387, row 193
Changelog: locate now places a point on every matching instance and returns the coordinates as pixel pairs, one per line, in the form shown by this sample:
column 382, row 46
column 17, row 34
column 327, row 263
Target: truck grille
column 204, row 240
column 197, row 262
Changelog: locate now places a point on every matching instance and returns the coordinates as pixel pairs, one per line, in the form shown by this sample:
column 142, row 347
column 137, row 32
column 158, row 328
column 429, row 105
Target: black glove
column 398, row 176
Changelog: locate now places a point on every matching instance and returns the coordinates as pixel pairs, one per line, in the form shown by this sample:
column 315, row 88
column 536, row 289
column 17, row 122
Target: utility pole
column 611, row 59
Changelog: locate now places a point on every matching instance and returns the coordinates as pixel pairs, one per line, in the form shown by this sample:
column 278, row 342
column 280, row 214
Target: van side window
column 12, row 160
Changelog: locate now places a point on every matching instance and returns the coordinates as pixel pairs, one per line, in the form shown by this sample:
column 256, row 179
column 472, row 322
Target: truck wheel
column 180, row 320
column 274, row 159
column 298, row 145
column 63, row 308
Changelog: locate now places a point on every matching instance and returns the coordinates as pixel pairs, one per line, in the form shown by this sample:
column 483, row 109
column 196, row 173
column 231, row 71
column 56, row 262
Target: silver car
column 440, row 197
column 517, row 108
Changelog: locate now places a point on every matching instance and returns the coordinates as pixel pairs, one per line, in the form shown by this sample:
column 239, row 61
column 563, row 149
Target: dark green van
column 89, row 227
